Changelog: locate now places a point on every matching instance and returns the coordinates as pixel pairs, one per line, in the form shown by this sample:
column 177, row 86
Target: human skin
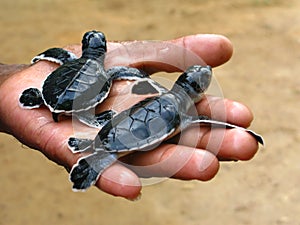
column 203, row 157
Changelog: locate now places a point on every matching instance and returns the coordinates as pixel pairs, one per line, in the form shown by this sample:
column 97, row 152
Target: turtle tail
column 88, row 169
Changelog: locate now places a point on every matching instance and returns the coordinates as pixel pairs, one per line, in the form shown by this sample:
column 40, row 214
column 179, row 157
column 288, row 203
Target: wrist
column 7, row 70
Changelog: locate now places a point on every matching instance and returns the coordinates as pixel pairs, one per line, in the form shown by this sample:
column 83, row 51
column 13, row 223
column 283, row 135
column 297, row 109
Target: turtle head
column 94, row 43
column 194, row 81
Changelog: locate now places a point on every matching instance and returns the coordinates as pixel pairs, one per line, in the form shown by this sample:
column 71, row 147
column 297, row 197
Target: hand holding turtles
column 79, row 84
column 26, row 125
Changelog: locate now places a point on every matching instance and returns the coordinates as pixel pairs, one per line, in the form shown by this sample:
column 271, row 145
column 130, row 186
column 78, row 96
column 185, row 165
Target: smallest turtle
column 79, row 84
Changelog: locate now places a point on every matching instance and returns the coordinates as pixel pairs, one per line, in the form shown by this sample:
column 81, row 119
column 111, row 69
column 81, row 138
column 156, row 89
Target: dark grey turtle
column 144, row 126
column 79, row 84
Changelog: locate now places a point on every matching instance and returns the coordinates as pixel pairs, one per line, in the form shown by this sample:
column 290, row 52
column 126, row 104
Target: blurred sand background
column 263, row 73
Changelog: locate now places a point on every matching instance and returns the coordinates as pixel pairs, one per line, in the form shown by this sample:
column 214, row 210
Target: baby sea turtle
column 79, row 84
column 144, row 126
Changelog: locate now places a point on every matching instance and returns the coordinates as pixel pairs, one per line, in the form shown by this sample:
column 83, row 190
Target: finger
column 169, row 160
column 171, row 56
column 213, row 49
column 225, row 110
column 230, row 144
column 118, row 180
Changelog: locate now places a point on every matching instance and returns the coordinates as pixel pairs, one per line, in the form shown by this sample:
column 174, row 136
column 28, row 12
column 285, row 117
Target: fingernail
column 128, row 178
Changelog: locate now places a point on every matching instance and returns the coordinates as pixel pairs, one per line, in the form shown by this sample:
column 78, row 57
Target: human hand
column 37, row 129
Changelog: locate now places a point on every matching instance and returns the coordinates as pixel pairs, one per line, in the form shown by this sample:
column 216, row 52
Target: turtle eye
column 86, row 39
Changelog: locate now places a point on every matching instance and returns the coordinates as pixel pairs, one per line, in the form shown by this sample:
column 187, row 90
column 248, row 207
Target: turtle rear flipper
column 31, row 98
column 88, row 169
column 126, row 73
column 143, row 83
column 97, row 120
column 215, row 123
column 56, row 55
column 77, row 145
column 146, row 86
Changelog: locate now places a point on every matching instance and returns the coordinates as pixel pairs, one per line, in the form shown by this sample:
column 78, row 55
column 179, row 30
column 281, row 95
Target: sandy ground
column 263, row 74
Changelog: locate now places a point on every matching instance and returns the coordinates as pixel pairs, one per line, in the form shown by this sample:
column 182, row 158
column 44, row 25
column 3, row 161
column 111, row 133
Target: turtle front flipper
column 207, row 121
column 31, row 98
column 56, row 55
column 103, row 117
column 88, row 169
